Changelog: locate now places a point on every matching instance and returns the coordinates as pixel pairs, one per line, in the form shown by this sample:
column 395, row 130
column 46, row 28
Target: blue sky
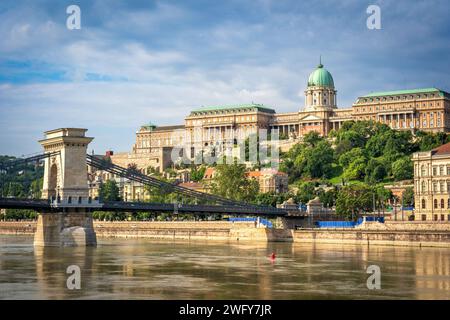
column 135, row 62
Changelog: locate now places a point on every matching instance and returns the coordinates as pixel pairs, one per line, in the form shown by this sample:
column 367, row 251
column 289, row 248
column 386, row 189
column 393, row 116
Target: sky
column 135, row 62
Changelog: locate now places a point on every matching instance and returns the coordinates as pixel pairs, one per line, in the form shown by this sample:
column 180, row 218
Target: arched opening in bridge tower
column 52, row 181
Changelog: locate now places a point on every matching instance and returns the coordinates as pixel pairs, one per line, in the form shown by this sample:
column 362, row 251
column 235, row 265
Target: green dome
column 320, row 78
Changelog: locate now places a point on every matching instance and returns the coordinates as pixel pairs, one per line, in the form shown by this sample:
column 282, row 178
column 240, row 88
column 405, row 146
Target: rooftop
column 259, row 107
column 444, row 149
column 399, row 92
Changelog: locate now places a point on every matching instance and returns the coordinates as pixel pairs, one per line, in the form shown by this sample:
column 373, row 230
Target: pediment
column 310, row 117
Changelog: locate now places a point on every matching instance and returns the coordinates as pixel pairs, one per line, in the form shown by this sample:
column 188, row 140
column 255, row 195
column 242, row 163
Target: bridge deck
column 44, row 205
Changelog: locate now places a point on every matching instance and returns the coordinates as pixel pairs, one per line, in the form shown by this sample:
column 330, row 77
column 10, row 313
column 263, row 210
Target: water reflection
column 144, row 269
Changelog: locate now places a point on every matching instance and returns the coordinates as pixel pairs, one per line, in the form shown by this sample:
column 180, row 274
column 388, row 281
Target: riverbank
column 394, row 233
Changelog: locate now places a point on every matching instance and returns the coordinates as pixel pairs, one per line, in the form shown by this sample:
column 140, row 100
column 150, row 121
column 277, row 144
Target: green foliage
column 328, row 198
column 20, row 181
column 197, row 173
column 20, row 214
column 375, row 171
column 306, row 192
column 408, row 197
column 312, row 159
column 109, row 191
column 402, row 169
column 356, row 169
column 271, row 198
column 427, row 141
column 231, row 182
column 353, row 200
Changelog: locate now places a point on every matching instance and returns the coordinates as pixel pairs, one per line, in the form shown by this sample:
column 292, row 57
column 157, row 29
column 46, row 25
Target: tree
column 375, row 171
column 328, row 198
column 356, row 169
column 402, row 169
column 312, row 138
column 346, row 158
column 109, row 191
column 231, row 182
column 353, row 200
column 408, row 197
column 36, row 188
column 306, row 192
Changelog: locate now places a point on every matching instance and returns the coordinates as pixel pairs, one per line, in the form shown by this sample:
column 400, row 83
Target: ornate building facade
column 420, row 109
column 432, row 184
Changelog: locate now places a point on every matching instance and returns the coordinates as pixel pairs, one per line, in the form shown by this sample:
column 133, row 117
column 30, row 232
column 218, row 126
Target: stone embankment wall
column 18, row 227
column 391, row 233
column 189, row 230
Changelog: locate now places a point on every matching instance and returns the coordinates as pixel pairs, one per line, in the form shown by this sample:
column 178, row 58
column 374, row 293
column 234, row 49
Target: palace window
column 441, row 170
column 424, row 186
column 442, row 204
column 448, row 203
column 434, row 171
column 442, row 186
column 424, row 204
column 435, row 187
column 435, row 203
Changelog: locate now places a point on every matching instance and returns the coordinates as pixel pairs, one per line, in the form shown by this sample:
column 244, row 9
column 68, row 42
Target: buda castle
column 425, row 109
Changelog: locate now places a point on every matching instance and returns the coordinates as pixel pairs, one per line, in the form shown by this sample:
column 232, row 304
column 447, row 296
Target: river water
column 151, row 269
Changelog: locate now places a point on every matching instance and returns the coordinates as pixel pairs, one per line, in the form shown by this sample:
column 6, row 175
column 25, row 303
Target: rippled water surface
column 150, row 269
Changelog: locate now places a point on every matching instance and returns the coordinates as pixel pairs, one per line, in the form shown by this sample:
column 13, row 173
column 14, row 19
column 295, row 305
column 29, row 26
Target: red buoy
column 272, row 256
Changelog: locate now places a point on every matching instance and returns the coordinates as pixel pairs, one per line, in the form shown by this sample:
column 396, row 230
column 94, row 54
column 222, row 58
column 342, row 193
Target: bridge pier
column 59, row 229
column 65, row 184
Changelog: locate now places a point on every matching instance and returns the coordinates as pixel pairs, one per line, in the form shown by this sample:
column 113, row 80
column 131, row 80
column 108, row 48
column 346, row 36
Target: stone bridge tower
column 65, row 185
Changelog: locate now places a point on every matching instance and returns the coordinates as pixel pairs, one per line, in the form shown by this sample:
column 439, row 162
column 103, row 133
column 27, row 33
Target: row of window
column 394, row 107
column 436, row 170
column 437, row 186
column 435, row 217
column 436, row 204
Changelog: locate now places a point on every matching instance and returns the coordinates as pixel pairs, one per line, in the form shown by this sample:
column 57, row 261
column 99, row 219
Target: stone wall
column 183, row 230
column 374, row 237
column 18, row 227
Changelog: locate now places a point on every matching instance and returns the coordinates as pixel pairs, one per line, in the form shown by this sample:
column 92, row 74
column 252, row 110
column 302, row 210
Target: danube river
column 150, row 269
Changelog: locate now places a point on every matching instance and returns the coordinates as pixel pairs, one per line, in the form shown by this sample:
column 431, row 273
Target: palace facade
column 419, row 109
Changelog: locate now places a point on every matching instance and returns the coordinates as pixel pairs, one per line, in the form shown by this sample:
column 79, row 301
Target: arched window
column 424, row 204
column 442, row 204
column 435, row 203
column 448, row 203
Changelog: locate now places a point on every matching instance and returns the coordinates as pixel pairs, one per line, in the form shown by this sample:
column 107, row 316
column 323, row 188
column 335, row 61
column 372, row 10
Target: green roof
column 150, row 126
column 320, row 78
column 399, row 92
column 259, row 107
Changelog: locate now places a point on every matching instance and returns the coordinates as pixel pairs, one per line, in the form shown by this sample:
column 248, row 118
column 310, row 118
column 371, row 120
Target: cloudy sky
column 135, row 62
